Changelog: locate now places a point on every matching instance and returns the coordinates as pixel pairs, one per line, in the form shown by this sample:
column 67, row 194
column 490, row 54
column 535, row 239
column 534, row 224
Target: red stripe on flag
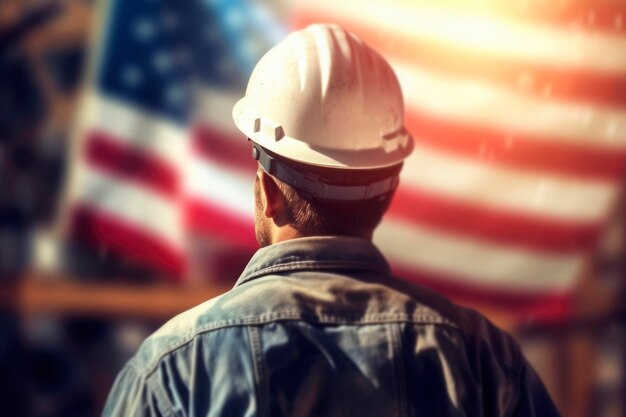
column 544, row 81
column 100, row 229
column 492, row 225
column 520, row 151
column 477, row 142
column 106, row 153
column 204, row 217
column 215, row 145
column 540, row 304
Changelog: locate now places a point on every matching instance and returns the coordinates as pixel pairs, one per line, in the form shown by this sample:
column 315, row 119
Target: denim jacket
column 319, row 327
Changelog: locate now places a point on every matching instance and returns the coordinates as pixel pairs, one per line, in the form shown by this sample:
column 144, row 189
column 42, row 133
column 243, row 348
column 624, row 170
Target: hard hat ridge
column 339, row 65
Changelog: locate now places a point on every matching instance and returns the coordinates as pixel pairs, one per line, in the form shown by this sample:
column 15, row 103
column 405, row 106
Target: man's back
column 318, row 327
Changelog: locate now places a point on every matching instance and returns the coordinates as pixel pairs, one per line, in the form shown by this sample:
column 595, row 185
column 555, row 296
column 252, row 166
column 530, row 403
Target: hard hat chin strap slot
column 312, row 185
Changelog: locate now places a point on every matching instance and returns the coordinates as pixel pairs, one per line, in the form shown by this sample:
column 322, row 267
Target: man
column 316, row 325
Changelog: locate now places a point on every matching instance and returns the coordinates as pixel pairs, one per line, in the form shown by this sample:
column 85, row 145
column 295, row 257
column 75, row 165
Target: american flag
column 163, row 81
column 517, row 109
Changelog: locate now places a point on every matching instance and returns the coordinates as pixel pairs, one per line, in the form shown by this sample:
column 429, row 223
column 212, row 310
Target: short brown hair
column 313, row 217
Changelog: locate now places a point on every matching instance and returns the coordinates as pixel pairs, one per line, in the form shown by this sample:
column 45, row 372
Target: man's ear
column 271, row 197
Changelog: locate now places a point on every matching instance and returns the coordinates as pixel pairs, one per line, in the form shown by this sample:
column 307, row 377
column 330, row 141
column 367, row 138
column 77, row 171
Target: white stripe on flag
column 136, row 205
column 215, row 109
column 474, row 261
column 220, row 185
column 506, row 188
column 470, row 101
column 136, row 128
column 485, row 32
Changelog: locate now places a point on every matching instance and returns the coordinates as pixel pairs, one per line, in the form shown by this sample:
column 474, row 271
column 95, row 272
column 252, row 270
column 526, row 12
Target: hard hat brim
column 295, row 149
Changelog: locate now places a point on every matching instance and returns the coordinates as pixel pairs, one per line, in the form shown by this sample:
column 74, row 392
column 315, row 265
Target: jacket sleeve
column 534, row 400
column 133, row 396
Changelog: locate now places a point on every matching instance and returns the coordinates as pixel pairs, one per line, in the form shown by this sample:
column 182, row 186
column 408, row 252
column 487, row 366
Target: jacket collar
column 315, row 253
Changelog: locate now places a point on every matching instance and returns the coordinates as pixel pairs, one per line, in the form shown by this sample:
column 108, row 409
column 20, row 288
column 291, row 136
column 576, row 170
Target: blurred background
column 126, row 193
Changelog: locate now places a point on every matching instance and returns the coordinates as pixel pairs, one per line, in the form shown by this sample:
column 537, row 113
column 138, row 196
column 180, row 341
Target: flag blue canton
column 154, row 51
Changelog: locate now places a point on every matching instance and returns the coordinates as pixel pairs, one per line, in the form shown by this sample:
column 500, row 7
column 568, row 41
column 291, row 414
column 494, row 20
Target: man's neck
column 287, row 232
column 283, row 233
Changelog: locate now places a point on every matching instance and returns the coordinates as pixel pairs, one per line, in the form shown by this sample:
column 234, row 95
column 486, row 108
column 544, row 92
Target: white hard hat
column 322, row 97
